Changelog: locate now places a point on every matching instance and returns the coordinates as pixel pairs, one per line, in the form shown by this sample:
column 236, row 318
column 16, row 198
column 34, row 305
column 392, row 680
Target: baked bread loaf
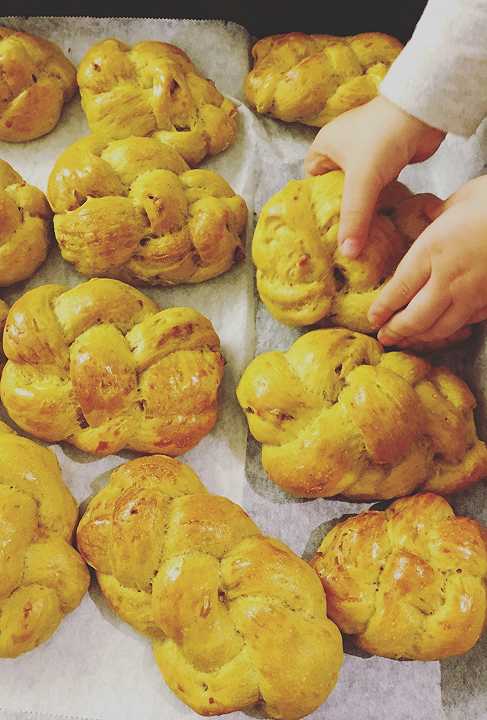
column 409, row 582
column 301, row 276
column 25, row 227
column 338, row 416
column 42, row 578
column 132, row 209
column 235, row 617
column 314, row 78
column 101, row 367
column 3, row 319
column 36, row 80
column 154, row 88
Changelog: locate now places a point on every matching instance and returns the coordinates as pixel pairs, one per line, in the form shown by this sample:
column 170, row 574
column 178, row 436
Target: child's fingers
column 320, row 156
column 317, row 163
column 418, row 317
column 361, row 190
column 411, row 274
column 452, row 320
column 479, row 316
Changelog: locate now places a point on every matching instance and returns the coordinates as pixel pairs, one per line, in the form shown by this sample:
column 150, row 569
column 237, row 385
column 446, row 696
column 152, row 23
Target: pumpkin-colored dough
column 235, row 617
column 338, row 416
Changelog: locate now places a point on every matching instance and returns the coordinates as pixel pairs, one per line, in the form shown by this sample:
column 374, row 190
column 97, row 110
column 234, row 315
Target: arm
column 441, row 75
column 438, row 83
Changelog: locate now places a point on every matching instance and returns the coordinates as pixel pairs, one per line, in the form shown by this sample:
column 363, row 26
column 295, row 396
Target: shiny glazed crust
column 409, row 582
column 101, row 367
column 133, row 210
column 25, row 227
column 154, row 88
column 43, row 578
column 314, row 78
column 338, row 416
column 235, row 617
column 301, row 276
column 36, row 79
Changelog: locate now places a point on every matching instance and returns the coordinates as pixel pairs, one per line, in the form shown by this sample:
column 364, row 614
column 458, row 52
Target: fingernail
column 350, row 248
column 312, row 164
column 387, row 338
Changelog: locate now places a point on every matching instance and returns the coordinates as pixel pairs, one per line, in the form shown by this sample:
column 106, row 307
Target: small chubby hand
column 371, row 144
column 440, row 285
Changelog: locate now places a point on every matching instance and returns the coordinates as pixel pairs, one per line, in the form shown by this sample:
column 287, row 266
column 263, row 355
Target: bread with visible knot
column 409, row 582
column 314, row 78
column 132, row 209
column 338, row 416
column 302, row 277
column 153, row 88
column 101, row 367
column 235, row 617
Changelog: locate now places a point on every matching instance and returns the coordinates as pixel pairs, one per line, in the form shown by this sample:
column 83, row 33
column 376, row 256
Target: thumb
column 360, row 194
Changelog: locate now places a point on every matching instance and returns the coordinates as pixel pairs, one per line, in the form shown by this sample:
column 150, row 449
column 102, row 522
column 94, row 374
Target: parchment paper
column 376, row 688
column 96, row 668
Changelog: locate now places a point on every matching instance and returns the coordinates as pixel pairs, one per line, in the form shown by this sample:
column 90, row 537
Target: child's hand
column 372, row 144
column 441, row 283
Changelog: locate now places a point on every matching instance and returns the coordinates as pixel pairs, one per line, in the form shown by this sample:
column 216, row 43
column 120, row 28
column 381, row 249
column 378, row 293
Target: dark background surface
column 340, row 17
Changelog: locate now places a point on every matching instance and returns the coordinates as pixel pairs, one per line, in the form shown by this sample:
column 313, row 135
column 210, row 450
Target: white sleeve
column 441, row 75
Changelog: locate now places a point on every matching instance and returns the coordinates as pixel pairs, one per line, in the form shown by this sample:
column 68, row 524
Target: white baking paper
column 376, row 688
column 96, row 668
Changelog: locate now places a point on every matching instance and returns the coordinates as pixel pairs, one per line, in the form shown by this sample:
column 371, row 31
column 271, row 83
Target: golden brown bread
column 409, row 582
column 338, row 416
column 3, row 319
column 301, row 276
column 36, row 79
column 314, row 78
column 153, row 88
column 42, row 577
column 235, row 617
column 25, row 227
column 132, row 209
column 101, row 367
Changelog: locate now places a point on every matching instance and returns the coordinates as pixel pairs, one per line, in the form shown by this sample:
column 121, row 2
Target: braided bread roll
column 101, row 367
column 132, row 209
column 338, row 416
column 36, row 80
column 301, row 276
column 42, row 577
column 234, row 617
column 25, row 227
column 410, row 582
column 153, row 88
column 314, row 78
